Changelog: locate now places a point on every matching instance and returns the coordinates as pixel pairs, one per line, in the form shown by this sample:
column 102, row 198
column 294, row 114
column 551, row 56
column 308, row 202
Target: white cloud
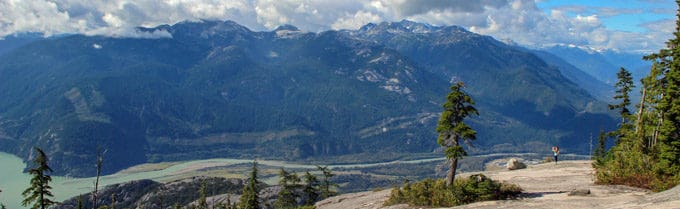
column 518, row 20
column 356, row 20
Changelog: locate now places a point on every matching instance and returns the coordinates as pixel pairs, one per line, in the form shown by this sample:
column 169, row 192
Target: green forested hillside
column 217, row 89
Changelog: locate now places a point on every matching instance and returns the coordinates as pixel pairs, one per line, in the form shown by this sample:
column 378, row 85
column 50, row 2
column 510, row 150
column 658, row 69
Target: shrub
column 435, row 193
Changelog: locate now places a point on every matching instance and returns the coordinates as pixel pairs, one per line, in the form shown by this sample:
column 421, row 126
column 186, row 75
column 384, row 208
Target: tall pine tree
column 311, row 189
column 326, row 183
column 39, row 192
column 452, row 127
column 668, row 165
column 203, row 199
column 287, row 196
column 624, row 86
column 250, row 199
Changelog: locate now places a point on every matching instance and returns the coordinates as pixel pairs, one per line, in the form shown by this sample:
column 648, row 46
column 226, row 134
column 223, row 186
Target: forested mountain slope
column 217, row 89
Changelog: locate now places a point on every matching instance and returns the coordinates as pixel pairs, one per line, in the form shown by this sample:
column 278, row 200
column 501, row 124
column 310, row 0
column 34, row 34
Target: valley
column 368, row 175
column 217, row 89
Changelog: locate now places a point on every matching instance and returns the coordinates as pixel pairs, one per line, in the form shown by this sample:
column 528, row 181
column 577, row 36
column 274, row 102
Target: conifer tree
column 668, row 164
column 80, row 202
column 452, row 128
column 287, row 196
column 202, row 201
column 250, row 198
column 600, row 150
column 326, row 184
column 311, row 189
column 624, row 86
column 39, row 192
column 649, row 118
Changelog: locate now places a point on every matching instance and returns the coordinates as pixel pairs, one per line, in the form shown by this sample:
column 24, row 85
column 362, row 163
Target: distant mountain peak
column 409, row 27
column 287, row 27
column 207, row 28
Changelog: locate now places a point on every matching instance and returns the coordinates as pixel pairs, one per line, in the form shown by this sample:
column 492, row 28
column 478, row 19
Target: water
column 12, row 180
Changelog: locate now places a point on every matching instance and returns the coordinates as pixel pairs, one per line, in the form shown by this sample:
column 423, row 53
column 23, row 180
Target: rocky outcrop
column 126, row 194
column 149, row 194
column 545, row 186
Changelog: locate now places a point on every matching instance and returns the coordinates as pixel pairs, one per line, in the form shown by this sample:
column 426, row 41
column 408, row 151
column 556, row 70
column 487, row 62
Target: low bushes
column 435, row 193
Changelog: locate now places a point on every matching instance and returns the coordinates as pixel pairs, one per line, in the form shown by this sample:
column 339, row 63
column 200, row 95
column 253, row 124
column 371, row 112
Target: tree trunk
column 642, row 107
column 100, row 160
column 452, row 172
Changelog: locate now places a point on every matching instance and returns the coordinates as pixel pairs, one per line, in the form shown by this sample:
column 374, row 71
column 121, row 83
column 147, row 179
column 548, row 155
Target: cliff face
column 548, row 185
column 149, row 194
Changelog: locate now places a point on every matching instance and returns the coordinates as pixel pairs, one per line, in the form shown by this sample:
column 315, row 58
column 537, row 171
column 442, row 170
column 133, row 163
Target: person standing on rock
column 556, row 152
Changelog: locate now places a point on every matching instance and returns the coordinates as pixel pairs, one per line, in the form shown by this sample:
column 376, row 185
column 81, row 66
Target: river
column 13, row 181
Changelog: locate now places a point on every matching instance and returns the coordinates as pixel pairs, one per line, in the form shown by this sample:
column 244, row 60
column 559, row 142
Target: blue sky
column 628, row 25
column 629, row 14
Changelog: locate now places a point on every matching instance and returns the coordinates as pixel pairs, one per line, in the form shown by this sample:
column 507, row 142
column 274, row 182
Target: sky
column 627, row 25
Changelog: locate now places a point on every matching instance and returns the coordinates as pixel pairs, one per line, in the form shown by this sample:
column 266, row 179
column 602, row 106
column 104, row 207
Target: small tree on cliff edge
column 39, row 191
column 452, row 128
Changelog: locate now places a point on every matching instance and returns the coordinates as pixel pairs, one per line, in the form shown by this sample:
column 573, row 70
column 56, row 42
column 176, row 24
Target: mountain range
column 218, row 89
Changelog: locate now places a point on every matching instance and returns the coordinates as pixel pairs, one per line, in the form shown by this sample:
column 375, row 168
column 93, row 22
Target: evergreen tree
column 311, row 189
column 326, row 184
column 80, row 202
column 624, row 86
column 250, row 198
column 39, row 192
column 649, row 118
column 452, row 128
column 600, row 151
column 668, row 165
column 202, row 201
column 287, row 196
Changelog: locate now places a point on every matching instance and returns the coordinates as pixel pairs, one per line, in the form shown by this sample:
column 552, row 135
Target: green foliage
column 250, row 198
column 202, row 201
column 327, row 186
column 452, row 128
column 287, row 196
column 39, row 192
column 189, row 97
column 80, row 202
column 601, row 149
column 648, row 154
column 310, row 191
column 624, row 86
column 435, row 193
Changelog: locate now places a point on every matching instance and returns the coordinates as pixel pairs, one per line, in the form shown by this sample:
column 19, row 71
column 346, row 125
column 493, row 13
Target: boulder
column 579, row 192
column 514, row 164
